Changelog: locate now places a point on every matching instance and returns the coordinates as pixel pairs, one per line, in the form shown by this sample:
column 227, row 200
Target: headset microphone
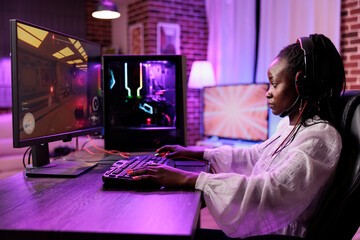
column 287, row 111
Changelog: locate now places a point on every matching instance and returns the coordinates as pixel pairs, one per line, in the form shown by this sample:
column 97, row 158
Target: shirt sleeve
column 261, row 202
column 227, row 159
column 239, row 160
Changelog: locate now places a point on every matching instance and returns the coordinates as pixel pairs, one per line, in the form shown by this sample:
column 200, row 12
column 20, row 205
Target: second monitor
column 144, row 101
column 238, row 111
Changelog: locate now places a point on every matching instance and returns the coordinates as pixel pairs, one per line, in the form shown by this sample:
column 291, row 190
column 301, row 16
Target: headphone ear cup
column 299, row 82
column 305, row 80
column 303, row 85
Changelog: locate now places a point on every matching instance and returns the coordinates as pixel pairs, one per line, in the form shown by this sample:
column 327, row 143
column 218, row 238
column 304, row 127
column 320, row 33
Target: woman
column 274, row 187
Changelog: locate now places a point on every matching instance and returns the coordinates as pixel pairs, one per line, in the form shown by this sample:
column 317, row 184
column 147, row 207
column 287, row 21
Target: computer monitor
column 144, row 101
column 56, row 93
column 236, row 112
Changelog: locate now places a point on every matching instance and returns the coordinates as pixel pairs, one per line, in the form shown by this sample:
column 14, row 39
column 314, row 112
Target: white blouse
column 255, row 193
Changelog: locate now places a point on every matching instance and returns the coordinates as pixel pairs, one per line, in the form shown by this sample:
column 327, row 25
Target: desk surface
column 79, row 208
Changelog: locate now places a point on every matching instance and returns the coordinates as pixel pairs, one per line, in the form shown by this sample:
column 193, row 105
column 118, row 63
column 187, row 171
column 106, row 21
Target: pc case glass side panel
column 141, row 101
column 144, row 93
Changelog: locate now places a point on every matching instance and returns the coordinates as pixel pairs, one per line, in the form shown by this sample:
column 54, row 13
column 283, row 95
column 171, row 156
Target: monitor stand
column 42, row 167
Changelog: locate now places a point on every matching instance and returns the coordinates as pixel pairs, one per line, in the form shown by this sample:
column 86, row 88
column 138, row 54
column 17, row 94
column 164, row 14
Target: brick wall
column 350, row 42
column 189, row 14
column 97, row 30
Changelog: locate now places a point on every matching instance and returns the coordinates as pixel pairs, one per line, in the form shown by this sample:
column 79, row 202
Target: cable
column 292, row 130
column 29, row 156
column 84, row 144
column 287, row 111
column 115, row 152
column 126, row 154
column 92, row 153
column 112, row 152
column 24, row 164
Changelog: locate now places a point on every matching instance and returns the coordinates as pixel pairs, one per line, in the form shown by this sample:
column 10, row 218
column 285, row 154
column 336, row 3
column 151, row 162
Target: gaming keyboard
column 116, row 175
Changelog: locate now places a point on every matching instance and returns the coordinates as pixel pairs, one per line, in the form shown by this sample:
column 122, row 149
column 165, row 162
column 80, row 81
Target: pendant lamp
column 106, row 9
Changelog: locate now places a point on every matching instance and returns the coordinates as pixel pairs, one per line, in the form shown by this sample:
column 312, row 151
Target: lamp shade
column 106, row 10
column 201, row 75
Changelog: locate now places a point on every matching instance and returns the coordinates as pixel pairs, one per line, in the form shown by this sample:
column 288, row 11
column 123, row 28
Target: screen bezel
column 115, row 141
column 223, row 136
column 65, row 136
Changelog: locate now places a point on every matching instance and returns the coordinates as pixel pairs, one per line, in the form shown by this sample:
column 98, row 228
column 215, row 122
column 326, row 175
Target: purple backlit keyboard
column 117, row 175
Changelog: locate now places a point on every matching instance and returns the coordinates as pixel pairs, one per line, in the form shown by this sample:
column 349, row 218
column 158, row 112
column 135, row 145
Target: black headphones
column 304, row 81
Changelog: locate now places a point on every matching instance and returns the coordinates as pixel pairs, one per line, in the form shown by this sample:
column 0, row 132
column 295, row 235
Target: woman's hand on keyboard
column 165, row 175
column 174, row 151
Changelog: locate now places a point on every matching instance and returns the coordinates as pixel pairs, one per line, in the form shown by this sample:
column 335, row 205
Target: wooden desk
column 79, row 208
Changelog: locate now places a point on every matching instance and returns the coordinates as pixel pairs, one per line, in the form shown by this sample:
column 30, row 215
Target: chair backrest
column 339, row 215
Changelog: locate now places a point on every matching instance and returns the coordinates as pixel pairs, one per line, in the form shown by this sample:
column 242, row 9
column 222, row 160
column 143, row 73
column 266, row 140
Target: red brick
column 350, row 64
column 347, row 5
column 345, row 20
column 355, row 57
column 355, row 41
column 355, row 72
column 355, row 11
column 344, row 42
column 351, row 79
column 350, row 34
column 344, row 28
column 353, row 87
column 355, row 26
column 349, row 49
